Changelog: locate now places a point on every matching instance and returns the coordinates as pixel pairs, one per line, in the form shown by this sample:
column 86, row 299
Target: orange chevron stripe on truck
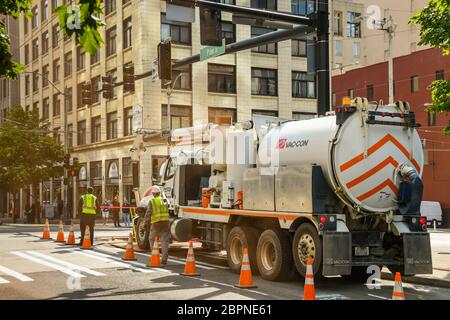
column 371, row 172
column 386, row 183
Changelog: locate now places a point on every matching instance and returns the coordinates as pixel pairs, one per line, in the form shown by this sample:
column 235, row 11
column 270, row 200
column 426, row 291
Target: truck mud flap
column 337, row 253
column 417, row 253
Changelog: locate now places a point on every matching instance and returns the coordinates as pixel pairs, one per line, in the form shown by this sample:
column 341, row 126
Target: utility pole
column 170, row 87
column 66, row 150
column 389, row 26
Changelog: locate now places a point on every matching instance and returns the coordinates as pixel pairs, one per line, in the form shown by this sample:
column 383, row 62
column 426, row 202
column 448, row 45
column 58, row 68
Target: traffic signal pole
column 323, row 63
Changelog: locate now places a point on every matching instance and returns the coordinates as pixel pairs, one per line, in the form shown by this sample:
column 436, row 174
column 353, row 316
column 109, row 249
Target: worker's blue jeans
column 126, row 219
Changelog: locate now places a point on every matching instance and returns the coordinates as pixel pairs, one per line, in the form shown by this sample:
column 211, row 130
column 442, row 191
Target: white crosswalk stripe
column 66, row 264
column 3, row 281
column 112, row 261
column 15, row 274
column 48, row 264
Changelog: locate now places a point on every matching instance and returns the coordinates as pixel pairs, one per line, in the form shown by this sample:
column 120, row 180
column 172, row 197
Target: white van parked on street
column 433, row 211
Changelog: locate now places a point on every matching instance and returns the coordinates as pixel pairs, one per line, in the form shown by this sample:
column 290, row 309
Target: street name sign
column 211, row 51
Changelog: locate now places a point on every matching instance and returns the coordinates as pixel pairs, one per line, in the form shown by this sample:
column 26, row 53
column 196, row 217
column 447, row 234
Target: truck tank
column 359, row 160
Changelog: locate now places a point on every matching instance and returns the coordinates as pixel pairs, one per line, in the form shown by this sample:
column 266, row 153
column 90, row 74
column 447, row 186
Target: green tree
column 434, row 23
column 81, row 19
column 29, row 155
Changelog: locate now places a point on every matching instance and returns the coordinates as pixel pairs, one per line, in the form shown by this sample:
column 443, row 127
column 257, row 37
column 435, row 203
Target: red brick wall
column 424, row 64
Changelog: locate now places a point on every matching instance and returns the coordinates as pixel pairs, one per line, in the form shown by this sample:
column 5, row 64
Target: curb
column 435, row 282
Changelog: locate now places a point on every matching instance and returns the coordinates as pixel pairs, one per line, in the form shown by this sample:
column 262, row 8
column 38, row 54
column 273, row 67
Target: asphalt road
column 31, row 268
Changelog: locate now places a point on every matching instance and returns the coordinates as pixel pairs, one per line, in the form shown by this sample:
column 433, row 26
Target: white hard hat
column 155, row 189
column 406, row 170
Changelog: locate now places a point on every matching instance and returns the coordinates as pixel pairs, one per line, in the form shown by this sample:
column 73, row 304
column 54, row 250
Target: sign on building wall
column 82, row 173
column 137, row 117
column 113, row 172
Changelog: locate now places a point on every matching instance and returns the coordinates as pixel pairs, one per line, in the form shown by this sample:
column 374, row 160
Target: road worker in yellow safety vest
column 88, row 207
column 158, row 213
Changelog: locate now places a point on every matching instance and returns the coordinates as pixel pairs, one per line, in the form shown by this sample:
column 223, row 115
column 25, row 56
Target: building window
column 127, row 33
column 356, row 49
column 45, row 75
column 80, row 95
column 80, row 58
column 45, row 42
column 56, row 105
column 264, row 4
column 338, row 48
column 303, row 7
column 81, row 133
column 370, row 92
column 337, row 23
column 303, row 116
column 111, row 35
column 25, row 25
column 269, row 113
column 96, row 129
column 265, row 48
column 27, row 84
column 431, row 119
column 35, row 17
column 350, row 93
column 95, row 83
column 128, row 121
column 333, row 99
column 54, row 4
column 36, row 106
column 414, row 84
column 68, row 64
column 221, row 78
column 353, row 28
column 95, row 57
column 56, row 70
column 35, row 48
column 228, row 32
column 110, row 6
column 45, row 108
column 185, row 80
column 179, row 31
column 299, row 48
column 68, row 100
column 264, row 82
column 440, row 75
column 111, row 125
column 27, row 54
column 113, row 74
column 44, row 9
column 124, row 2
column 215, row 113
column 303, row 85
column 56, row 135
column 70, row 135
column 55, row 35
column 180, row 116
column 35, row 81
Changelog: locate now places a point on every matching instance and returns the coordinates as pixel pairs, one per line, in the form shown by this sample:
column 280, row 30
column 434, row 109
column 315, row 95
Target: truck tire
column 142, row 234
column 307, row 244
column 274, row 255
column 238, row 238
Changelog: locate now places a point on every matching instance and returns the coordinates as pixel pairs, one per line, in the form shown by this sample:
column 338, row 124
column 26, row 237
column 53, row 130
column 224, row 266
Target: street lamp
column 170, row 88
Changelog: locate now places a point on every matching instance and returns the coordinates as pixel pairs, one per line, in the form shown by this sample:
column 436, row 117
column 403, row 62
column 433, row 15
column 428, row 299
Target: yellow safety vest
column 160, row 210
column 89, row 203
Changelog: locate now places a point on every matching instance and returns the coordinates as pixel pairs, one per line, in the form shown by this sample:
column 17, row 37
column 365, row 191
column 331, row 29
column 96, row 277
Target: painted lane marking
column 15, row 274
column 48, row 264
column 181, row 261
column 379, row 297
column 67, row 264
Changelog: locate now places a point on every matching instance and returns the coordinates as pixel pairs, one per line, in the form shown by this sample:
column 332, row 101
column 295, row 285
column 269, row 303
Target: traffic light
column 73, row 172
column 211, row 26
column 128, row 78
column 67, row 160
column 107, row 87
column 86, row 93
column 165, row 60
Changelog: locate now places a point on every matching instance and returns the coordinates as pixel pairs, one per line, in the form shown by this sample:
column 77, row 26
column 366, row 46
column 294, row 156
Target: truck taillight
column 323, row 219
column 423, row 220
column 326, row 222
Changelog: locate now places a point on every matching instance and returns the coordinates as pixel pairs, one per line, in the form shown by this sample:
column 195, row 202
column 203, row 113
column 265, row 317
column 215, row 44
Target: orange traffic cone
column 60, row 236
column 189, row 268
column 87, row 239
column 245, row 278
column 129, row 252
column 155, row 259
column 71, row 237
column 309, row 292
column 398, row 293
column 46, row 233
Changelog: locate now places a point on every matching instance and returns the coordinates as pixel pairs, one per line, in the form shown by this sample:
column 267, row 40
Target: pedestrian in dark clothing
column 88, row 207
column 126, row 213
column 60, row 207
column 115, row 212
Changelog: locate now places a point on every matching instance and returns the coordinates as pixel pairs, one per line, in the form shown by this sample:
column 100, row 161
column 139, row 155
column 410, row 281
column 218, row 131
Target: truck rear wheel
column 307, row 244
column 238, row 238
column 274, row 255
column 142, row 234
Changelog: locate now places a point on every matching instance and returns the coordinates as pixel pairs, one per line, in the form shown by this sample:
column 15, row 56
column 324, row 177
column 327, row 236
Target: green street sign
column 211, row 52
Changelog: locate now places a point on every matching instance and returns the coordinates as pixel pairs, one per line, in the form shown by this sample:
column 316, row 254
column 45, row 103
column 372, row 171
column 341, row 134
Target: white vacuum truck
column 323, row 188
